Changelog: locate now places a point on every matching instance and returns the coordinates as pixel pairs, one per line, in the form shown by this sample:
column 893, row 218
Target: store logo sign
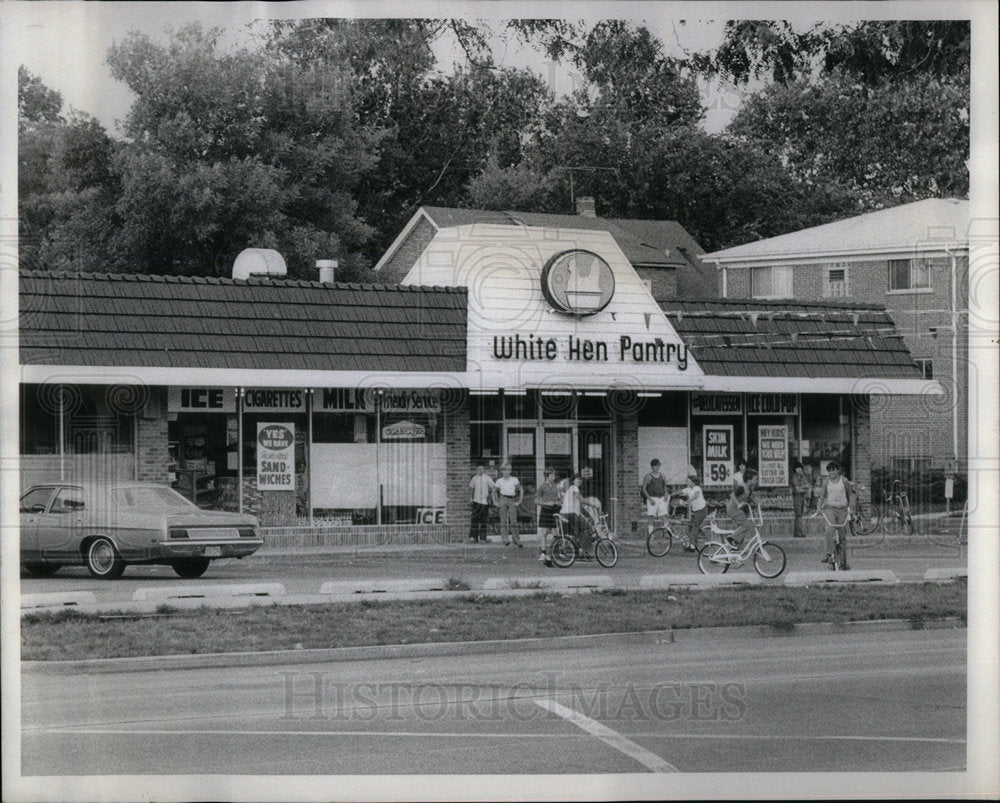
column 578, row 282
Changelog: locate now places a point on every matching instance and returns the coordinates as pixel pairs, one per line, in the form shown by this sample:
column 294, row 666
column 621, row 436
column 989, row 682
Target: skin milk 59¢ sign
column 275, row 457
column 718, row 454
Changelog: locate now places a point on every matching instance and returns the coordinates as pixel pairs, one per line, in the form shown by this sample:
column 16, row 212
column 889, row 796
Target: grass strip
column 69, row 635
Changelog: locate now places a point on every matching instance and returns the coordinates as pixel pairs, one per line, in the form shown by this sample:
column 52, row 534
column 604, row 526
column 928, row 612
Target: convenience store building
column 370, row 404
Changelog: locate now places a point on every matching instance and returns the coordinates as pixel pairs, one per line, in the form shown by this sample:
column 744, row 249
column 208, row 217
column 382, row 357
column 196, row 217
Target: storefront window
column 343, row 428
column 520, row 406
column 825, row 433
column 663, row 435
column 96, row 419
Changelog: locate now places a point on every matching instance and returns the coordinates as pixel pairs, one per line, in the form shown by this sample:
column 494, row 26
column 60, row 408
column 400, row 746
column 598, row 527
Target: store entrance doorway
column 596, row 454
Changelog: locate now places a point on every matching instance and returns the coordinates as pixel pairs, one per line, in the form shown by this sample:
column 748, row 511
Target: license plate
column 213, row 552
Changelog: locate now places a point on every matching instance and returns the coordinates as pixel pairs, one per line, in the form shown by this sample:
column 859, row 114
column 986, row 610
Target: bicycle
column 839, row 543
column 897, row 511
column 718, row 557
column 864, row 516
column 565, row 548
column 661, row 536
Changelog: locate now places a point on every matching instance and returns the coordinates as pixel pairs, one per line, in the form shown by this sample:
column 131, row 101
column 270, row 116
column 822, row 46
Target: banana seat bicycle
column 566, row 548
column 719, row 556
column 661, row 537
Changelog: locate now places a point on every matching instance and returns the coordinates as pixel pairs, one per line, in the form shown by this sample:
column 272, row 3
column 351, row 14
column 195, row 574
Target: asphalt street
column 890, row 701
column 303, row 572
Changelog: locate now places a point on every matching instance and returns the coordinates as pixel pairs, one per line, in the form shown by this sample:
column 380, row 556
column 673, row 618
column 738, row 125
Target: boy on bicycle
column 836, row 495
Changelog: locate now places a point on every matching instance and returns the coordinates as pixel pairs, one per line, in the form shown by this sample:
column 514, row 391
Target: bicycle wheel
column 659, row 541
column 606, row 552
column 713, row 559
column 562, row 552
column 769, row 560
column 907, row 520
column 840, row 555
column 866, row 518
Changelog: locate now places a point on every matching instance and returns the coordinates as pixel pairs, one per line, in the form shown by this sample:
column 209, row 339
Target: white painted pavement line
column 609, row 737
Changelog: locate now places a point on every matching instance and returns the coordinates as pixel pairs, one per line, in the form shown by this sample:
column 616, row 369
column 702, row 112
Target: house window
column 771, row 282
column 835, row 284
column 926, row 368
column 909, row 274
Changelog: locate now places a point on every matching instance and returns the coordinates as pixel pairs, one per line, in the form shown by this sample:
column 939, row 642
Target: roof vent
column 327, row 268
column 259, row 262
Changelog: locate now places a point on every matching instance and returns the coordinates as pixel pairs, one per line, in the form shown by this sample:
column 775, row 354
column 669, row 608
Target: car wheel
column 103, row 560
column 41, row 569
column 191, row 568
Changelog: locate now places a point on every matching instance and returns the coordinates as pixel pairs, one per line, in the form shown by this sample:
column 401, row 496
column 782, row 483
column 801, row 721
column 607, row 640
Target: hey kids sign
column 275, row 457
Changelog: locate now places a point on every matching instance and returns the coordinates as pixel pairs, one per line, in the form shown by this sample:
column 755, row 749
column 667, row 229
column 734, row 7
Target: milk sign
column 275, row 457
column 718, row 454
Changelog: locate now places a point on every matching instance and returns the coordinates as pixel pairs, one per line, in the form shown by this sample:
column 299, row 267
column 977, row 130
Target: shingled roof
column 645, row 243
column 89, row 319
column 747, row 338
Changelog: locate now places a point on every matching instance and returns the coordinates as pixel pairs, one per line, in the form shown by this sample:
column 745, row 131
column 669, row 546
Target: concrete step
column 886, row 576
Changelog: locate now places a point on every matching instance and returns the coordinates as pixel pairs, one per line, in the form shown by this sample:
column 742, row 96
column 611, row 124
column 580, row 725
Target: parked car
column 107, row 526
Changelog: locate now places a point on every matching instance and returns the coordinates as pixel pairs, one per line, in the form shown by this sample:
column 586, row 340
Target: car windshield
column 149, row 498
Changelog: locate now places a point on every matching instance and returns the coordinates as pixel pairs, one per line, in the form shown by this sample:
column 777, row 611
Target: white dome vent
column 259, row 262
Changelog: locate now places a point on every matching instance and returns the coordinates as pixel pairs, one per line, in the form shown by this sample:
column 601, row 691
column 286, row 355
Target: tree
column 435, row 130
column 229, row 150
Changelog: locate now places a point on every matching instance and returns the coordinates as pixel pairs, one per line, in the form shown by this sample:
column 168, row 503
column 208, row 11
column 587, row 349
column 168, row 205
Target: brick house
column 913, row 260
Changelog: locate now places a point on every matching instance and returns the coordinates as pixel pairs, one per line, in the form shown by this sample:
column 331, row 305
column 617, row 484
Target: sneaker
column 541, row 557
column 690, row 548
column 518, row 544
column 548, row 563
column 827, row 559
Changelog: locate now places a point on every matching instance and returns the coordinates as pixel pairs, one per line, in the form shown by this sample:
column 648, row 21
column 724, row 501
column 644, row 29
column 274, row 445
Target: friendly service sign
column 275, row 457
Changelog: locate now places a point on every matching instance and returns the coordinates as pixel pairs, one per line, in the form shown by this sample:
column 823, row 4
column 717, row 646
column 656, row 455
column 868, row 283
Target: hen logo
column 578, row 282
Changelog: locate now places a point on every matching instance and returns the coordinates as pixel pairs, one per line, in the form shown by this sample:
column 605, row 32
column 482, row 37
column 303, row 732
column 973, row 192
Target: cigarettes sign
column 275, row 457
column 772, row 447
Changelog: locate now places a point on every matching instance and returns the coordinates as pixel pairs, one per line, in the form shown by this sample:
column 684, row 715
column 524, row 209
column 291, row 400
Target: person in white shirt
column 509, row 494
column 572, row 508
column 699, row 509
column 835, row 498
column 481, row 486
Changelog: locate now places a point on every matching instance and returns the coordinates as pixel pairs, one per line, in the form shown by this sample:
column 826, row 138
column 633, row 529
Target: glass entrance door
column 522, row 453
column 557, row 448
column 596, row 453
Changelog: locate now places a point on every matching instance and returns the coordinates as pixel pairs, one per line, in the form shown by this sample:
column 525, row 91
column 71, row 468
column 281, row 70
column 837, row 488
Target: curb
column 460, row 648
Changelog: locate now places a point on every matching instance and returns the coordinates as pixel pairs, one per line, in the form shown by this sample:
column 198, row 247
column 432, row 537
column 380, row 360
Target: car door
column 34, row 504
column 59, row 528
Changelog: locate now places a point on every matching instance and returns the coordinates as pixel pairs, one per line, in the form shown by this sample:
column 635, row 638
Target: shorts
column 547, row 516
column 656, row 506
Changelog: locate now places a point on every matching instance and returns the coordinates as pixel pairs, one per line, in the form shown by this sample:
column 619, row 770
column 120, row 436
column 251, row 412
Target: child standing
column 547, row 502
column 698, row 508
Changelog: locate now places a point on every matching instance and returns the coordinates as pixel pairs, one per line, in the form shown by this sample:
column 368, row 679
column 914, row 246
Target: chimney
column 326, row 268
column 586, row 207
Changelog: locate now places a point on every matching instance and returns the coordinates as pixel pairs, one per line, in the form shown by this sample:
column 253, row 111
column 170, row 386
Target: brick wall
column 409, row 251
column 663, row 281
column 861, row 444
column 456, row 429
column 628, row 508
column 152, row 440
